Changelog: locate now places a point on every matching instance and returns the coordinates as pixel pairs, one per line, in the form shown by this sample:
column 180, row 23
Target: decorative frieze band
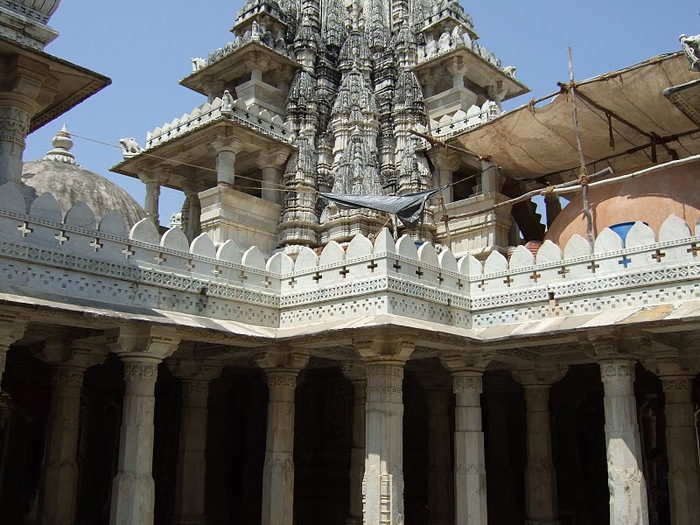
column 67, row 376
column 466, row 383
column 140, row 371
column 611, row 370
column 277, row 379
column 14, row 125
column 677, row 383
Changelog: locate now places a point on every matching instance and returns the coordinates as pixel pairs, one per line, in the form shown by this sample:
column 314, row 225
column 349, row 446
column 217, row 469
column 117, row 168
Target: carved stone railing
column 73, row 256
column 252, row 116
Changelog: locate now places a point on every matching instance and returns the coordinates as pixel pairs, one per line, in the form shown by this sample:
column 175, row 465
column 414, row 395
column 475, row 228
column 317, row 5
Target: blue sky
column 146, row 47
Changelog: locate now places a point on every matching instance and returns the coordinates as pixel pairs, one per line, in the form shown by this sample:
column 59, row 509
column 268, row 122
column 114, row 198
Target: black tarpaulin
column 408, row 208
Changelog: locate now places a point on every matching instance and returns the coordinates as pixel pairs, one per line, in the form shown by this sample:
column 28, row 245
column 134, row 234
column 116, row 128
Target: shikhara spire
column 346, row 91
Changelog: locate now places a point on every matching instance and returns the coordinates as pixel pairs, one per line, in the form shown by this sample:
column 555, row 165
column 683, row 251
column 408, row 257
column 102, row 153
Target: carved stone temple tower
column 340, row 96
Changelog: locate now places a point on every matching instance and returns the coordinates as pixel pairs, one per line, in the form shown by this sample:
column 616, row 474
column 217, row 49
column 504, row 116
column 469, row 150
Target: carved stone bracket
column 388, row 348
column 145, row 343
column 544, row 375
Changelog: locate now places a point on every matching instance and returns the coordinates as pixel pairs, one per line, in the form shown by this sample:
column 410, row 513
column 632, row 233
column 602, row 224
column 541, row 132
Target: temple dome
column 650, row 198
column 58, row 174
column 42, row 9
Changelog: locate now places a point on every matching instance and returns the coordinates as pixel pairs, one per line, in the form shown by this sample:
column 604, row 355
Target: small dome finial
column 62, row 145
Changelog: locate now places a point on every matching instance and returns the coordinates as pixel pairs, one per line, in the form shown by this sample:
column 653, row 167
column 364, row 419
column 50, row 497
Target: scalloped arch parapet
column 521, row 258
column 175, row 239
column 306, row 260
column 46, row 207
column 113, row 223
column 548, row 253
column 145, row 231
column 447, row 261
column 81, row 215
column 384, row 243
column 203, row 246
column 577, row 247
column 359, row 246
column 253, row 258
column 280, row 263
column 495, row 262
column 640, row 235
column 674, row 228
column 229, row 252
column 607, row 241
column 428, row 255
column 331, row 253
column 406, row 247
column 11, row 199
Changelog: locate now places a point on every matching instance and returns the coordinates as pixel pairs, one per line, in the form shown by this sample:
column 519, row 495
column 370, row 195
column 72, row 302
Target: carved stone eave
column 192, row 148
column 686, row 97
column 235, row 66
column 70, row 84
column 477, row 70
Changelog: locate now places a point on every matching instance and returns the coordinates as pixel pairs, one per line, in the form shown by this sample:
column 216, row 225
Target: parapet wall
column 47, row 251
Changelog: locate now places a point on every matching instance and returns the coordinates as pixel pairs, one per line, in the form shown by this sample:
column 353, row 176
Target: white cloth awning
column 621, row 114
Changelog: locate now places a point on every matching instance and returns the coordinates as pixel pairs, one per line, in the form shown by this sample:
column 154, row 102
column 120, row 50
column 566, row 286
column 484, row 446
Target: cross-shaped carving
column 440, row 278
column 624, row 261
column 242, row 276
column 96, row 245
column 419, row 273
column 160, row 258
column 190, row 265
column 482, row 285
column 658, row 256
column 535, row 276
column 344, row 272
column 460, row 284
column 372, row 265
column 292, row 282
column 564, row 270
column 128, row 252
column 216, row 271
column 508, row 281
column 396, row 266
column 694, row 249
column 61, row 237
column 317, row 277
column 267, row 282
column 593, row 266
column 25, row 229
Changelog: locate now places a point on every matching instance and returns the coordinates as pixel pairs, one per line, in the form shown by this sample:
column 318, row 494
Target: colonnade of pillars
column 377, row 455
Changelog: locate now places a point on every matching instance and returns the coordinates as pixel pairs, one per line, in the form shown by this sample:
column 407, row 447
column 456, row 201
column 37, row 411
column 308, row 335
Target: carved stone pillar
column 226, row 151
column 190, row 489
column 683, row 472
column 272, row 164
column 440, row 480
column 14, row 127
column 358, row 375
column 540, row 476
column 192, row 226
column 446, row 163
column 133, row 489
column 60, row 472
column 469, row 456
column 151, row 204
column 628, row 493
column 281, row 371
column 383, row 481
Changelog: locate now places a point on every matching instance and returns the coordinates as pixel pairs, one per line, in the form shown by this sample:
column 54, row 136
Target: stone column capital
column 540, row 375
column 464, row 363
column 273, row 158
column 378, row 348
column 282, row 359
column 227, row 144
column 445, row 159
column 82, row 353
column 144, row 344
column 355, row 372
column 12, row 328
column 191, row 369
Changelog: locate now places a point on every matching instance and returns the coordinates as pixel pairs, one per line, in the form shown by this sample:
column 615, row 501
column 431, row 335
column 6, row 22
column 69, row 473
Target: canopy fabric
column 620, row 114
column 408, row 208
